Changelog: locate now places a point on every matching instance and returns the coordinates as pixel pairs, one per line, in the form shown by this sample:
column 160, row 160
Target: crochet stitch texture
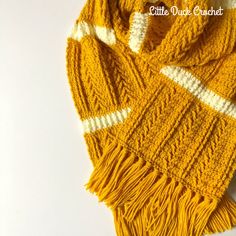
column 157, row 99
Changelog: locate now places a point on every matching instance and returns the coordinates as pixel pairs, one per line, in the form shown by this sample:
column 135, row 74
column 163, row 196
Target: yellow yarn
column 157, row 99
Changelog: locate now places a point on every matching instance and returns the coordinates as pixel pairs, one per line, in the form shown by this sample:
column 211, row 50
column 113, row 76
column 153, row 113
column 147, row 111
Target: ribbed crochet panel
column 190, row 143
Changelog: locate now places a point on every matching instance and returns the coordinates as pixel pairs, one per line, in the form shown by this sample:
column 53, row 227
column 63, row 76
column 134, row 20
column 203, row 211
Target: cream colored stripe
column 225, row 4
column 101, row 122
column 138, row 31
column 83, row 29
column 195, row 87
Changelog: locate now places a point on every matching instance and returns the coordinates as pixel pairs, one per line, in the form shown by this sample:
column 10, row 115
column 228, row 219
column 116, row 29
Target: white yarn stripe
column 101, row 122
column 225, row 4
column 83, row 29
column 196, row 88
column 138, row 30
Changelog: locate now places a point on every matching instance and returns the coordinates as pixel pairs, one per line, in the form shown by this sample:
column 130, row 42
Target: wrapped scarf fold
column 157, row 99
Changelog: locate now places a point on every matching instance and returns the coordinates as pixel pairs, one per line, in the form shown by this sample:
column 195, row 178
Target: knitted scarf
column 157, row 100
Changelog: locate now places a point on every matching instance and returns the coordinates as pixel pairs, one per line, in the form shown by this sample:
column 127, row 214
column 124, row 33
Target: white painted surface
column 43, row 159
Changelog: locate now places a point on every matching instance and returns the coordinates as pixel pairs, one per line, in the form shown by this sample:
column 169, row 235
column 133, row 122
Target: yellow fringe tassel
column 145, row 200
column 128, row 228
column 223, row 218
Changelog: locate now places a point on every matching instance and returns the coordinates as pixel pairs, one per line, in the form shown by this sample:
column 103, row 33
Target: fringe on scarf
column 154, row 202
column 128, row 228
column 223, row 218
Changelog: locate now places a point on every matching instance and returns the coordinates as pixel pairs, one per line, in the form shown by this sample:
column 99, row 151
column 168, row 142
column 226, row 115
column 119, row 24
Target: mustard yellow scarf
column 157, row 98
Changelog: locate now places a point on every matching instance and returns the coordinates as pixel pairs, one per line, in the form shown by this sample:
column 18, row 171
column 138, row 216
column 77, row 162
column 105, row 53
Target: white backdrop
column 43, row 158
